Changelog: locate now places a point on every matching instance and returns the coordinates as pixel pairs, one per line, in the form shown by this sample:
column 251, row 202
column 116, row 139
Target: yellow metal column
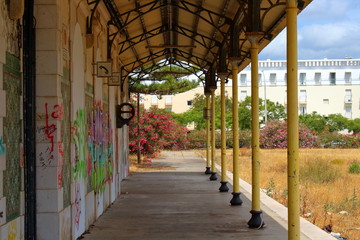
column 292, row 115
column 206, row 111
column 236, row 186
column 256, row 221
column 213, row 176
column 223, row 187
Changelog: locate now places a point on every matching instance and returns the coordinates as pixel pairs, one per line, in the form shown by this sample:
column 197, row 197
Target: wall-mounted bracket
column 89, row 20
column 124, row 113
column 110, row 37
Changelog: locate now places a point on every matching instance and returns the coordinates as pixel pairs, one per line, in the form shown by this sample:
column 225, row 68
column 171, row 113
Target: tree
column 336, row 122
column 274, row 111
column 314, row 121
column 195, row 113
column 167, row 80
column 354, row 125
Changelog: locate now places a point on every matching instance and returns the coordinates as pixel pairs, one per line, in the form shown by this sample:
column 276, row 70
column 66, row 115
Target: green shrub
column 319, row 171
column 354, row 168
column 337, row 140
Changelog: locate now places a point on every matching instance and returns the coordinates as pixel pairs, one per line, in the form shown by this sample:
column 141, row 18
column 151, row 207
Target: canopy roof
column 187, row 32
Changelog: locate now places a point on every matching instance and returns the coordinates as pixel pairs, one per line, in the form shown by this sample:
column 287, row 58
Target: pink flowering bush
column 274, row 135
column 158, row 130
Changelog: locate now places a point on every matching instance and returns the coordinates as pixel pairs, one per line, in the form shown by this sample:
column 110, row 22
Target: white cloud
column 276, row 49
column 335, row 40
column 327, row 28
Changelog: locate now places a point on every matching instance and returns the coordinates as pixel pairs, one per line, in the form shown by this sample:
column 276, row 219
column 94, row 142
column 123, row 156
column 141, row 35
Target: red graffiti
column 49, row 129
column 61, row 161
column 58, row 113
column 59, row 177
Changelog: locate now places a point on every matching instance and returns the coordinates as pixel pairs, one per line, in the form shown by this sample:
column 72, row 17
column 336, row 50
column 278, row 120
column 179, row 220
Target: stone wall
column 11, row 148
column 81, row 157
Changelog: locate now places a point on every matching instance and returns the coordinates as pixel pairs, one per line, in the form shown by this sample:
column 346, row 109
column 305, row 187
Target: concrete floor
column 179, row 204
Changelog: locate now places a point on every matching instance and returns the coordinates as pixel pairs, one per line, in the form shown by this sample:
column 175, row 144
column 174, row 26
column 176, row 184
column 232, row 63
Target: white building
column 325, row 86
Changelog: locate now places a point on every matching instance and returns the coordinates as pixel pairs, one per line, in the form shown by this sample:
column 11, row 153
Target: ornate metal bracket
column 124, row 113
column 89, row 20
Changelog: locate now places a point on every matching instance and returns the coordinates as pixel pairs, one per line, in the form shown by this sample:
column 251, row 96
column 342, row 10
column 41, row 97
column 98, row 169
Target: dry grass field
column 330, row 195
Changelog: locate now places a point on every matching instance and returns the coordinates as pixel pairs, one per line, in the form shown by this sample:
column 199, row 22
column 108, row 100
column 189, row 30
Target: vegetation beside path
column 329, row 178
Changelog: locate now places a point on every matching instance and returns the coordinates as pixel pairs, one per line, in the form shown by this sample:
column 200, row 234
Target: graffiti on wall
column 100, row 147
column 65, row 172
column 12, row 231
column 77, row 204
column 47, row 133
column 61, row 157
column 50, row 129
column 78, row 137
column 2, row 147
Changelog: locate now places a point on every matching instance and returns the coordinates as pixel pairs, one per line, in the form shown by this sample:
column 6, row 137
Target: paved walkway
column 179, row 204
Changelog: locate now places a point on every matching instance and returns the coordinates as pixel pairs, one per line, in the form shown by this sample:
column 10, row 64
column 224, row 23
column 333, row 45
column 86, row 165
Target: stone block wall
column 81, row 157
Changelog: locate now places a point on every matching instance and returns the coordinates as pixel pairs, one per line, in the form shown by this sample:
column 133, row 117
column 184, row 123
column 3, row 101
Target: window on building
column 243, row 79
column 168, row 109
column 347, row 77
column 326, row 101
column 302, row 79
column 189, row 103
column 243, row 95
column 285, row 77
column 332, row 78
column 317, row 78
column 348, row 112
column 302, row 97
column 302, row 110
column 154, row 100
column 348, row 96
column 168, row 100
column 273, row 78
column 260, row 79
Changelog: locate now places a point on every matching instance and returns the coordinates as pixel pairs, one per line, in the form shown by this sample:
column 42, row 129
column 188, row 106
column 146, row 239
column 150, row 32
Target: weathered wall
column 81, row 157
column 11, row 155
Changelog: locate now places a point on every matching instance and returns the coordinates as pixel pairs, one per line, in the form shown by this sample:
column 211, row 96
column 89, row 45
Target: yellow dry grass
column 323, row 201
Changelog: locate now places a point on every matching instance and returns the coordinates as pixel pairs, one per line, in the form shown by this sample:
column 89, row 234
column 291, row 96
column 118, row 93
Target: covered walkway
column 180, row 204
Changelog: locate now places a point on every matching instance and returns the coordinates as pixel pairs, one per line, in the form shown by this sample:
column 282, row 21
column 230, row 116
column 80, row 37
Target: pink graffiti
column 77, row 206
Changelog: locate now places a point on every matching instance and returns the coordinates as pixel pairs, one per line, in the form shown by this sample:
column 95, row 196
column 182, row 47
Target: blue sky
column 326, row 29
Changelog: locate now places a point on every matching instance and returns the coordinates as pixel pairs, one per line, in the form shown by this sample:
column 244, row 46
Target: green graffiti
column 100, row 148
column 78, row 137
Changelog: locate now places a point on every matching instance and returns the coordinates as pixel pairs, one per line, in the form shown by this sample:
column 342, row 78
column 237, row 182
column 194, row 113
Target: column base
column 207, row 171
column 213, row 176
column 256, row 220
column 236, row 200
column 224, row 187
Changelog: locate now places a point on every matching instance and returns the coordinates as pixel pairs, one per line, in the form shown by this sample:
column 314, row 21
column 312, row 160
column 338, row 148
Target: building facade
column 328, row 86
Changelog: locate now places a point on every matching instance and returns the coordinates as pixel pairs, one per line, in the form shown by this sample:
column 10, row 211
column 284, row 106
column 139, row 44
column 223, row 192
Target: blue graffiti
column 2, row 147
